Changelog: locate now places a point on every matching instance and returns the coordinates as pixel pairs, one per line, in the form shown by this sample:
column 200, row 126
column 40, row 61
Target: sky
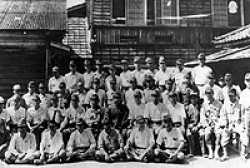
column 71, row 3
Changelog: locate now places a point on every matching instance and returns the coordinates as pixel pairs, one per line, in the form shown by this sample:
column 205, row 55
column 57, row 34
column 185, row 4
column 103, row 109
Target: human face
column 232, row 97
column 211, row 82
column 74, row 103
column 247, row 83
column 228, row 81
column 141, row 124
column 32, row 89
column 17, row 91
column 138, row 100
column 56, row 74
column 137, row 66
column 162, row 66
column 209, row 95
column 173, row 99
column 96, row 85
column 1, row 107
column 22, row 131
column 179, row 66
column 168, row 124
column 150, row 65
column 202, row 61
column 80, row 127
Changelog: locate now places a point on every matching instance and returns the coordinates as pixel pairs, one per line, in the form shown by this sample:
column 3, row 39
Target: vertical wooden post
column 242, row 13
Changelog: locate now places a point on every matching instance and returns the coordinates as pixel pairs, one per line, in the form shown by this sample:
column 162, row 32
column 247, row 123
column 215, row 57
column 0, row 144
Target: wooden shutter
column 135, row 12
column 219, row 13
column 168, row 9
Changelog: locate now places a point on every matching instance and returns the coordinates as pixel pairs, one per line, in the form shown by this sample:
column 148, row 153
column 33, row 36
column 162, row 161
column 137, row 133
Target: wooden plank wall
column 220, row 14
column 20, row 65
column 101, row 11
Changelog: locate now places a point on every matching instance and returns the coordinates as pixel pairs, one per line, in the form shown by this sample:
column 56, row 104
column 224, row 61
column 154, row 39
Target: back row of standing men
column 131, row 115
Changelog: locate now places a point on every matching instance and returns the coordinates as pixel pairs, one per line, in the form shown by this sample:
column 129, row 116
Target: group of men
column 143, row 115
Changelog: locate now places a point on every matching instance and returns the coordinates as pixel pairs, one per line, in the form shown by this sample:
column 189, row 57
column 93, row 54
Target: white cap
column 17, row 87
column 1, row 100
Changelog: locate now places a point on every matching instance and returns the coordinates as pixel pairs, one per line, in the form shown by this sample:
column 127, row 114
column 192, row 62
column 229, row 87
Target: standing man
column 150, row 67
column 88, row 75
column 22, row 147
column 16, row 92
column 244, row 101
column 138, row 73
column 28, row 97
column 55, row 80
column 44, row 97
column 112, row 71
column 125, row 76
column 201, row 72
column 99, row 71
column 73, row 77
column 163, row 74
column 179, row 72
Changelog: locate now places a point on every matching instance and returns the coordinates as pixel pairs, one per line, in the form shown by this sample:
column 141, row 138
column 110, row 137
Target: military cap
column 179, row 61
column 55, row 69
column 162, row 60
column 17, row 87
column 1, row 100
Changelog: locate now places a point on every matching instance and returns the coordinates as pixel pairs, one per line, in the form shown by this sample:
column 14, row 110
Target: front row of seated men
column 140, row 146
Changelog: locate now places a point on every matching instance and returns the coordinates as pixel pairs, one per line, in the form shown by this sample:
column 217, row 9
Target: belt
column 140, row 147
column 155, row 122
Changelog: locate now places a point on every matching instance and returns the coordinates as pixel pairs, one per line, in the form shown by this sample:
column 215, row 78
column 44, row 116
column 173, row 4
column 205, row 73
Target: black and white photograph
column 124, row 83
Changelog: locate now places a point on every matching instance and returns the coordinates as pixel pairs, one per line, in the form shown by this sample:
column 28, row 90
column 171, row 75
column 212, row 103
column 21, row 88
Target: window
column 150, row 12
column 234, row 12
column 169, row 12
column 118, row 11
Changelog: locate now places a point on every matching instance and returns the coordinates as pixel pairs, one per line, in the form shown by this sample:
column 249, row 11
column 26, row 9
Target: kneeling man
column 141, row 142
column 81, row 143
column 22, row 148
column 170, row 143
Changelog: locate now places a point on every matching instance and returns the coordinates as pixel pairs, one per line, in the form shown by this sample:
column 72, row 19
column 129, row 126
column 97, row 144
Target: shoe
column 190, row 155
column 205, row 155
column 224, row 158
column 217, row 157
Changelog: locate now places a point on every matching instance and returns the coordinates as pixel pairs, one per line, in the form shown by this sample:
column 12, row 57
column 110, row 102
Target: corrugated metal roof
column 236, row 35
column 224, row 55
column 33, row 14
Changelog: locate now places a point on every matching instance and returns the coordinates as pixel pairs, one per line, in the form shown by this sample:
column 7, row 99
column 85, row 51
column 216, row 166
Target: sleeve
column 120, row 139
column 152, row 140
column 100, row 140
column 159, row 139
column 92, row 139
column 12, row 145
column 33, row 143
column 71, row 141
column 180, row 135
column 87, row 99
column 202, row 116
column 49, row 85
column 131, row 137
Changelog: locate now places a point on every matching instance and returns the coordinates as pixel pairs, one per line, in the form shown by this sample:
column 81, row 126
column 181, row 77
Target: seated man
column 141, row 142
column 110, row 143
column 81, row 143
column 4, row 138
column 52, row 146
column 170, row 142
column 94, row 114
column 22, row 148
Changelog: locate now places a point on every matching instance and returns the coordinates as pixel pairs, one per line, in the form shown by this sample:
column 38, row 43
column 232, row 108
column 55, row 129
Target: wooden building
column 122, row 29
column 31, row 32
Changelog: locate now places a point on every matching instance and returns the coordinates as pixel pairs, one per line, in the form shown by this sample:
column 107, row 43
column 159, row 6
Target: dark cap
column 74, row 97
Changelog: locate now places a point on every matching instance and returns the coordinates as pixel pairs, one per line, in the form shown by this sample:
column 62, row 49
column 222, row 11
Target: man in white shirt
column 54, row 81
column 138, row 73
column 125, row 76
column 229, row 86
column 81, row 144
column 179, row 72
column 245, row 103
column 22, row 148
column 73, row 77
column 28, row 97
column 218, row 94
column 163, row 74
column 150, row 71
column 88, row 75
column 112, row 71
column 201, row 72
column 16, row 92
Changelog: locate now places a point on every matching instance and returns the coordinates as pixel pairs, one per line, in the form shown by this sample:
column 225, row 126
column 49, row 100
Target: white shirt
column 200, row 74
column 19, row 145
column 53, row 84
column 88, row 77
column 226, row 89
column 155, row 112
column 245, row 98
column 139, row 76
column 162, row 76
column 29, row 99
column 36, row 116
column 136, row 110
column 71, row 80
column 177, row 113
column 118, row 82
column 101, row 94
column 50, row 144
column 81, row 140
column 125, row 78
column 170, row 139
column 218, row 93
column 16, row 115
column 179, row 75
